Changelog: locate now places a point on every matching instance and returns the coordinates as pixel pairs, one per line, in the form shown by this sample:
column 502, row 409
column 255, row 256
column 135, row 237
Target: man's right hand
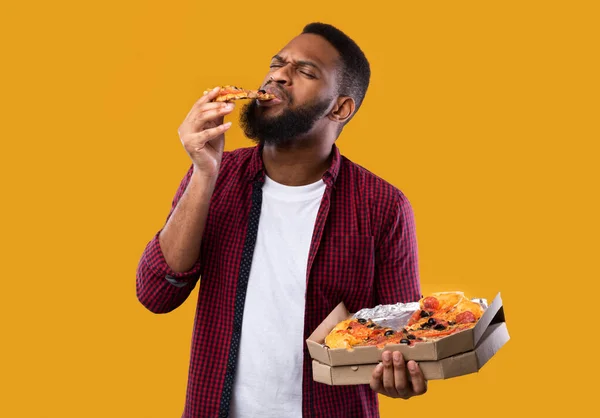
column 202, row 133
column 202, row 136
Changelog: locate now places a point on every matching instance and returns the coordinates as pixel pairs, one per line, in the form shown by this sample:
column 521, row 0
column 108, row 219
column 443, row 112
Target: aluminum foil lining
column 396, row 316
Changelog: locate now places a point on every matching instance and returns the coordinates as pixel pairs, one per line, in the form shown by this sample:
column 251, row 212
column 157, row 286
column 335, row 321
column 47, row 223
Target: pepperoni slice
column 431, row 302
column 416, row 317
column 465, row 317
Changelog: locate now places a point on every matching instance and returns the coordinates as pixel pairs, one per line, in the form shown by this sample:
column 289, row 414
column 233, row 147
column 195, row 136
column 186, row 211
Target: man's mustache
column 271, row 85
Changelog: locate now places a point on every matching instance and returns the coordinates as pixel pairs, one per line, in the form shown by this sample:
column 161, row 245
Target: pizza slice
column 353, row 332
column 340, row 336
column 442, row 314
column 228, row 93
column 452, row 307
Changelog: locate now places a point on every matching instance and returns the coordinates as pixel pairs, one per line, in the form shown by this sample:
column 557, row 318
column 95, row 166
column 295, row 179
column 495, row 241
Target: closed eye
column 302, row 68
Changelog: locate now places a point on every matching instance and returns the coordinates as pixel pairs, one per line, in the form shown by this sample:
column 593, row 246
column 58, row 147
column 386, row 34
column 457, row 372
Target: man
column 280, row 234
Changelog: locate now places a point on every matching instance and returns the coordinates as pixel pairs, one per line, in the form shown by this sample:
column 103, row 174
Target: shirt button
column 174, row 281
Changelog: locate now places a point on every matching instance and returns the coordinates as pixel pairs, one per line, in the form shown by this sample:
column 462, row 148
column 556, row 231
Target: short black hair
column 355, row 68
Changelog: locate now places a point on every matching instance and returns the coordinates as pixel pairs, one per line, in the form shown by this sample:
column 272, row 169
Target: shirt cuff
column 155, row 260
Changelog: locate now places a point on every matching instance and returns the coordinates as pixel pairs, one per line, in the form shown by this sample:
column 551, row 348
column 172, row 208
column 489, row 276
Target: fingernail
column 229, row 106
column 227, row 125
column 216, row 88
column 412, row 366
column 397, row 356
column 386, row 356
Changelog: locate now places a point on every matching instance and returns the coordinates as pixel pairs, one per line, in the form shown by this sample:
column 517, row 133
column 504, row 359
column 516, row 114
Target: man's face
column 303, row 77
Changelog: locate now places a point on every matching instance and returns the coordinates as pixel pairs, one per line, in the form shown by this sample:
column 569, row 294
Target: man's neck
column 297, row 166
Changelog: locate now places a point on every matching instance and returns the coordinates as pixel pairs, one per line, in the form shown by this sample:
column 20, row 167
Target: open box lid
column 492, row 315
column 445, row 347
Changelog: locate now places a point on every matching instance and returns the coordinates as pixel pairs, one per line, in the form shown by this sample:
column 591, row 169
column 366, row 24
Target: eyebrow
column 300, row 62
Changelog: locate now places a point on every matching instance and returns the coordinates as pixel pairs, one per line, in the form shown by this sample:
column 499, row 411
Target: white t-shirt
column 268, row 380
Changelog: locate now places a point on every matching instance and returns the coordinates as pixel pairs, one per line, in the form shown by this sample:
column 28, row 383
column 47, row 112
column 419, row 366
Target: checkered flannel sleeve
column 158, row 287
column 397, row 266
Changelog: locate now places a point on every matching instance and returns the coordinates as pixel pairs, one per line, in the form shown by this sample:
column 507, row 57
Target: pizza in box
column 439, row 315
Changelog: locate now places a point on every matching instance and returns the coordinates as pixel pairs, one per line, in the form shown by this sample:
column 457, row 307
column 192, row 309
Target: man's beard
column 281, row 130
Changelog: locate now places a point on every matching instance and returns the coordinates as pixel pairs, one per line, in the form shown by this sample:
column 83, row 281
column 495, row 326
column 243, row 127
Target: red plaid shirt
column 363, row 252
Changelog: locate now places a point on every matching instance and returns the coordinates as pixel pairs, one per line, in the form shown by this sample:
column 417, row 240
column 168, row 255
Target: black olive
column 424, row 314
column 389, row 332
column 262, row 91
column 404, row 331
column 420, row 339
column 439, row 327
column 362, row 320
column 431, row 321
column 404, row 341
column 451, row 323
column 371, row 325
column 410, row 337
column 425, row 325
column 349, row 328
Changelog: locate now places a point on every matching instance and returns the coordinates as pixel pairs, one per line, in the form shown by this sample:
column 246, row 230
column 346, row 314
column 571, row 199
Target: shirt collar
column 256, row 168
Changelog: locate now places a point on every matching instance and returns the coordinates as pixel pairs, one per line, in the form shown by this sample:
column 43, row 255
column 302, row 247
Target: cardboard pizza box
column 451, row 345
column 494, row 337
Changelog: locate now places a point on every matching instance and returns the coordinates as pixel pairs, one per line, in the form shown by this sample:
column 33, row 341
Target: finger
column 206, row 98
column 212, row 106
column 388, row 374
column 400, row 379
column 198, row 111
column 199, row 140
column 376, row 382
column 209, row 95
column 419, row 384
column 211, row 114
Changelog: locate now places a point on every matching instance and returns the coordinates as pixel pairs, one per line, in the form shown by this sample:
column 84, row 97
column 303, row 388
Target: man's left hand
column 395, row 378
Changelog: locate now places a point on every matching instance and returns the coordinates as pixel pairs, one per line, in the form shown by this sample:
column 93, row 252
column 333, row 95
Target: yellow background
column 484, row 113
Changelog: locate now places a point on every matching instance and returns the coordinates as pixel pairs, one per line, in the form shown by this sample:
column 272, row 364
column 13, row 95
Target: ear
column 342, row 110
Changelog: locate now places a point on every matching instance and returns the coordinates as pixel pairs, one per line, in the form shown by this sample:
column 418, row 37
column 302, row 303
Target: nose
column 281, row 76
